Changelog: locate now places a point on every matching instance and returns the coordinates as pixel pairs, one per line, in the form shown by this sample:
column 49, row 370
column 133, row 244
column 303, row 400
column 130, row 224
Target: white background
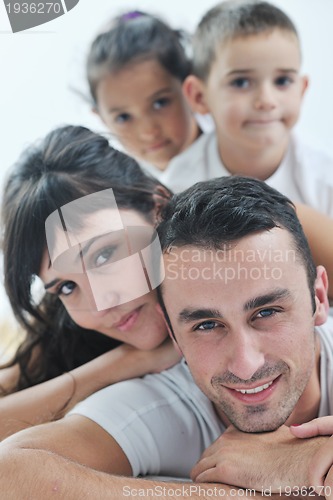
column 38, row 67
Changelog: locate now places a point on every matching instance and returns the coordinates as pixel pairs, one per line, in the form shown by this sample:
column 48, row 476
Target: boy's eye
column 241, row 83
column 283, row 81
column 122, row 118
column 161, row 103
column 207, row 325
column 66, row 288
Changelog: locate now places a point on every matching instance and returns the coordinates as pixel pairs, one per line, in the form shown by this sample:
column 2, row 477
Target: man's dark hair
column 214, row 214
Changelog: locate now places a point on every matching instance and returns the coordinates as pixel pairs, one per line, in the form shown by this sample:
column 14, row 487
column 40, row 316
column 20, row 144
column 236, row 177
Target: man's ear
column 194, row 91
column 321, row 298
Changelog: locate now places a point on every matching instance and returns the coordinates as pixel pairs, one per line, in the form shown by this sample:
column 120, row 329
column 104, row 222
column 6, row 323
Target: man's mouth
column 260, row 388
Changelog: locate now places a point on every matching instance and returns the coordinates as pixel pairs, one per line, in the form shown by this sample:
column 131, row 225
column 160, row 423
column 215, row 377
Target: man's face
column 243, row 319
column 254, row 91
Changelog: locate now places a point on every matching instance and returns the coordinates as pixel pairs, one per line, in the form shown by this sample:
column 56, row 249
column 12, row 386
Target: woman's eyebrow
column 51, row 284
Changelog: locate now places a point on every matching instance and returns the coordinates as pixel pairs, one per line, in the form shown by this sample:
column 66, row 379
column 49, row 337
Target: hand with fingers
column 321, row 464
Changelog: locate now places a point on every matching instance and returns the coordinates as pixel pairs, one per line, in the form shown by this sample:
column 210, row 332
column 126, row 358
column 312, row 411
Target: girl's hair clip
column 131, row 15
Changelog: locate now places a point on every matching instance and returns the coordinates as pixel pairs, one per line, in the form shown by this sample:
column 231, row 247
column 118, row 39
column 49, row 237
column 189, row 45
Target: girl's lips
column 158, row 145
column 127, row 322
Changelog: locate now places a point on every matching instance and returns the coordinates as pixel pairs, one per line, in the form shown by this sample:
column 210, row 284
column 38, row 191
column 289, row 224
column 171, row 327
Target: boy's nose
column 265, row 98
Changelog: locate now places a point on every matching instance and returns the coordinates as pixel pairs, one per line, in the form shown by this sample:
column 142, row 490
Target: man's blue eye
column 207, row 325
column 266, row 313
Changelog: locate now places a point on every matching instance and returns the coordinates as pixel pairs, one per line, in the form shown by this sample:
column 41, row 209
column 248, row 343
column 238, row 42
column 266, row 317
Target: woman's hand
column 320, row 468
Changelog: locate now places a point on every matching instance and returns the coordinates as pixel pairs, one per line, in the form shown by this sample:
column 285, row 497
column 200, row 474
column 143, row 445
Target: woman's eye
column 241, row 83
column 66, row 288
column 207, row 325
column 122, row 118
column 161, row 103
column 103, row 256
column 283, row 81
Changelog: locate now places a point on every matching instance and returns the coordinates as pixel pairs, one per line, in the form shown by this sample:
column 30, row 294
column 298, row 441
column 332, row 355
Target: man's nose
column 245, row 355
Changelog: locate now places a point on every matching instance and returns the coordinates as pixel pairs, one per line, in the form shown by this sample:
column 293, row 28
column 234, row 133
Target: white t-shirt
column 305, row 175
column 163, row 422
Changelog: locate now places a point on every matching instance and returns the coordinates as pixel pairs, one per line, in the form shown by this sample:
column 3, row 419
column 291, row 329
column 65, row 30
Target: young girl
column 135, row 72
column 73, row 348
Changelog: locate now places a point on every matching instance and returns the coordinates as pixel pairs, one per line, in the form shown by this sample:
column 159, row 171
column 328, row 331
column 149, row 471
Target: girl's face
column 144, row 107
column 101, row 280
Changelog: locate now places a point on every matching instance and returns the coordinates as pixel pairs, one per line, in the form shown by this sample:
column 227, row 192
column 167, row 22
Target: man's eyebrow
column 187, row 315
column 262, row 300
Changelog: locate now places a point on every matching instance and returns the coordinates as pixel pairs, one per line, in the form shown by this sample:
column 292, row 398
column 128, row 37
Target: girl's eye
column 161, row 103
column 283, row 81
column 207, row 325
column 241, row 83
column 103, row 256
column 66, row 288
column 122, row 118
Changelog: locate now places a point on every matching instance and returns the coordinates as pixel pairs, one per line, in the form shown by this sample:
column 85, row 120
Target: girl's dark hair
column 69, row 163
column 137, row 36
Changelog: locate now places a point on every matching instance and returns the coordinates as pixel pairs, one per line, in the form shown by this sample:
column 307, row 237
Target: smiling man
column 248, row 309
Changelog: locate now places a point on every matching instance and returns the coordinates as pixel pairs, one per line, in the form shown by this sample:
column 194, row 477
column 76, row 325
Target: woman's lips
column 127, row 322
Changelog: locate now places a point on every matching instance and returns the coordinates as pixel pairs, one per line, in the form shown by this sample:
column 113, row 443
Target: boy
column 246, row 73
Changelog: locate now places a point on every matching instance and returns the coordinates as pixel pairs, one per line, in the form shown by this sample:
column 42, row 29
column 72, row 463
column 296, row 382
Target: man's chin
column 258, row 427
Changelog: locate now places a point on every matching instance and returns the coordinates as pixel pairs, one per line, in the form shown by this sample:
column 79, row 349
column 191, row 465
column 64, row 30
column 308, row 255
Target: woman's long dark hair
column 69, row 163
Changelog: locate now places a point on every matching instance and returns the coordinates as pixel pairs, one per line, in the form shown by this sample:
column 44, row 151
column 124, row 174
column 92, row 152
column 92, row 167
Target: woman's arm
column 318, row 228
column 50, row 400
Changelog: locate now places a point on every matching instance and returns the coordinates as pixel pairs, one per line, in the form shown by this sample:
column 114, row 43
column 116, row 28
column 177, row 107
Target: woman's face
column 104, row 279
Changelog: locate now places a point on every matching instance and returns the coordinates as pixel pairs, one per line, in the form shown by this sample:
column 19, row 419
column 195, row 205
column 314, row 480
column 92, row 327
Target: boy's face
column 254, row 91
column 144, row 107
column 243, row 319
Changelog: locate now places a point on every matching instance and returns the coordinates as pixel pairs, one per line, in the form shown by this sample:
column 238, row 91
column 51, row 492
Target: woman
column 73, row 344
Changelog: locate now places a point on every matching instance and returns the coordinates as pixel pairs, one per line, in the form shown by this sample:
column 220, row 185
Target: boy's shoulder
column 306, row 154
column 308, row 171
column 199, row 162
